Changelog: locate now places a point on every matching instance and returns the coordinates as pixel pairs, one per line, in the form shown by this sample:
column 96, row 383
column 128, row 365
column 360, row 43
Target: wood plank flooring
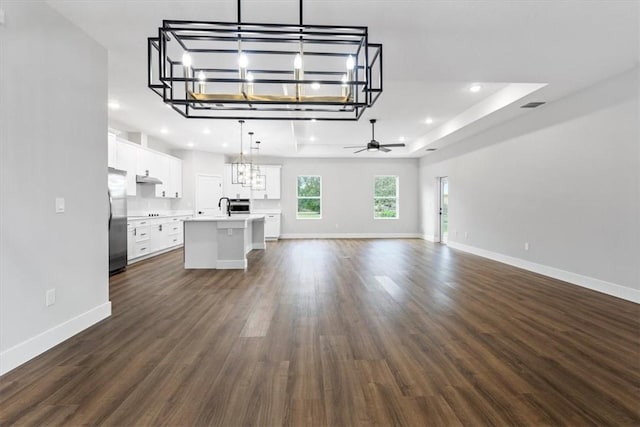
column 340, row 333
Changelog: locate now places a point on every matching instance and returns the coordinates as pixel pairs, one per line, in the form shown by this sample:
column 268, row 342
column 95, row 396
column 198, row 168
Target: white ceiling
column 433, row 52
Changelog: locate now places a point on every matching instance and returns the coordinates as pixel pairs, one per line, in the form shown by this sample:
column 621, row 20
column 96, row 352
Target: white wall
column 347, row 197
column 195, row 162
column 54, row 144
column 564, row 178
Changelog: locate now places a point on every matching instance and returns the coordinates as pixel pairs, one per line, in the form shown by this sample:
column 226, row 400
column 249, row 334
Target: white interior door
column 208, row 193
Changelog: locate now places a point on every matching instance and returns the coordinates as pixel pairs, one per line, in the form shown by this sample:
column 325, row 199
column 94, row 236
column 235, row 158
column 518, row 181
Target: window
column 309, row 197
column 385, row 197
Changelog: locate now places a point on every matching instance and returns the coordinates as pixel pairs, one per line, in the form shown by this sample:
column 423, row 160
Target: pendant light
column 240, row 169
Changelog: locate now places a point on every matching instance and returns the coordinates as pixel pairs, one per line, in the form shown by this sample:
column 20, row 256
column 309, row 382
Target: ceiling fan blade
column 383, row 149
column 359, row 151
column 392, row 145
column 354, row 146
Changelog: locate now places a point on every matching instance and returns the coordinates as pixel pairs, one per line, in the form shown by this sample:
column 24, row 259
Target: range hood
column 146, row 179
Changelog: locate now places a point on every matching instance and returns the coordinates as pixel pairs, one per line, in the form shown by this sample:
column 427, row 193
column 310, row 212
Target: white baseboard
column 430, row 238
column 608, row 288
column 258, row 246
column 151, row 255
column 27, row 350
column 232, row 264
column 352, row 236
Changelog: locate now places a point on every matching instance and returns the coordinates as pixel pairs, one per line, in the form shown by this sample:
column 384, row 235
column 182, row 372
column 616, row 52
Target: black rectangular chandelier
column 238, row 70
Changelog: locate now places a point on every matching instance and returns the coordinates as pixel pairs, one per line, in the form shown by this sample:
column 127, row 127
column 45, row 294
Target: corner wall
column 53, row 114
column 565, row 178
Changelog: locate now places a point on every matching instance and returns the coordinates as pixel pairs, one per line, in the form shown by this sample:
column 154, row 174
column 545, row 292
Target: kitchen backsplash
column 146, row 201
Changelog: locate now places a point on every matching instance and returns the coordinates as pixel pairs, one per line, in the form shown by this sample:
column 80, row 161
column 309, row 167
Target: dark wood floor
column 341, row 333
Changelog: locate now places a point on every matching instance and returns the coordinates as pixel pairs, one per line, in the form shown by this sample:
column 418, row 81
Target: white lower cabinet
column 272, row 226
column 149, row 236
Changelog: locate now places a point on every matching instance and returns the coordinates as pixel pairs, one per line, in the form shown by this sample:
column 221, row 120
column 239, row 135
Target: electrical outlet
column 526, row 246
column 51, row 297
column 229, row 231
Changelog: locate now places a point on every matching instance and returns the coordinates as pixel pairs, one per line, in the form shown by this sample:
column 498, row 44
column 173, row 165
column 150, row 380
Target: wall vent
column 532, row 105
column 431, row 149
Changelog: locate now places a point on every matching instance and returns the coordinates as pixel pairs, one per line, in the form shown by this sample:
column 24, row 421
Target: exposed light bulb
column 297, row 62
column 243, row 61
column 350, row 63
column 201, row 76
column 344, row 80
column 315, row 85
column 249, row 76
column 186, row 60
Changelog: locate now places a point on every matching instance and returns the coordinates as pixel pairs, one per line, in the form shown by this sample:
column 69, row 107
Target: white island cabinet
column 222, row 242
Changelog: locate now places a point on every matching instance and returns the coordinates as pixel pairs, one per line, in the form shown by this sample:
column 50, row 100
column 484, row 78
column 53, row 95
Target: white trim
column 429, row 238
column 352, row 236
column 592, row 283
column 34, row 346
column 396, row 198
column 308, row 197
column 232, row 264
column 257, row 245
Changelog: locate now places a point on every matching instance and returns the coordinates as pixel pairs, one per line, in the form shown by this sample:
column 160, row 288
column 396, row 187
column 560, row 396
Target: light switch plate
column 1, row 16
column 51, row 297
column 59, row 204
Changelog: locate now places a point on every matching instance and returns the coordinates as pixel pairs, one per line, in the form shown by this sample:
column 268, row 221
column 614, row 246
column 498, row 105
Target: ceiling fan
column 374, row 145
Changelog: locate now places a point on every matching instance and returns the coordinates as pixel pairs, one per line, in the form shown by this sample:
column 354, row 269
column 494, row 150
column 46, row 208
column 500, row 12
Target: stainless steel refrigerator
column 117, row 220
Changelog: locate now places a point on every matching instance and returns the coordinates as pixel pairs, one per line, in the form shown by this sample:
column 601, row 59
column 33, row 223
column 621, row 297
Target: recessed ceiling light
column 313, row 138
column 475, row 88
column 206, row 131
column 402, row 139
column 313, row 120
column 190, row 144
column 429, row 120
column 315, row 85
column 114, row 105
column 225, row 144
column 164, row 130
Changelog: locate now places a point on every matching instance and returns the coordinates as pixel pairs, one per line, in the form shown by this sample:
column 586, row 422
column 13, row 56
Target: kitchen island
column 222, row 242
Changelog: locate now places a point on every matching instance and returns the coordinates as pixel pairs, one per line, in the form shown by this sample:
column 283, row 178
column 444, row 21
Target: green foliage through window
column 385, row 197
column 309, row 191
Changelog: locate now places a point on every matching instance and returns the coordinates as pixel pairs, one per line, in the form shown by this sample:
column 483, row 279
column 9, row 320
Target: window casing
column 385, row 197
column 309, row 194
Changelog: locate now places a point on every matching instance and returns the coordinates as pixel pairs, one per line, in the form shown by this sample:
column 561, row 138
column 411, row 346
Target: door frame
column 206, row 175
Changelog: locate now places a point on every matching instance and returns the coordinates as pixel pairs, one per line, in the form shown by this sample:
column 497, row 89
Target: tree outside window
column 309, row 193
column 385, row 197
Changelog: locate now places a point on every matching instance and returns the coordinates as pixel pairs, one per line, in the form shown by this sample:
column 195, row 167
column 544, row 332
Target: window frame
column 396, row 198
column 298, row 217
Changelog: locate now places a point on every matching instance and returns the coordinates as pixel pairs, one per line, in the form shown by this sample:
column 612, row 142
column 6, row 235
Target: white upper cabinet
column 233, row 191
column 272, row 183
column 126, row 159
column 175, row 178
column 137, row 160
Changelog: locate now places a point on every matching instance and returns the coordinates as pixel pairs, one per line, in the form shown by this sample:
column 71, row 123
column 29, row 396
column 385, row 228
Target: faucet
column 228, row 204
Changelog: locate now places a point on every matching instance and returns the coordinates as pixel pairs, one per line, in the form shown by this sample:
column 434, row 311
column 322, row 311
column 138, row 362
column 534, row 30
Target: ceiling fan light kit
column 263, row 71
column 373, row 145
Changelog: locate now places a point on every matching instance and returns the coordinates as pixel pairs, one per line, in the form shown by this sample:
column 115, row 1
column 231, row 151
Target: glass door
column 444, row 210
